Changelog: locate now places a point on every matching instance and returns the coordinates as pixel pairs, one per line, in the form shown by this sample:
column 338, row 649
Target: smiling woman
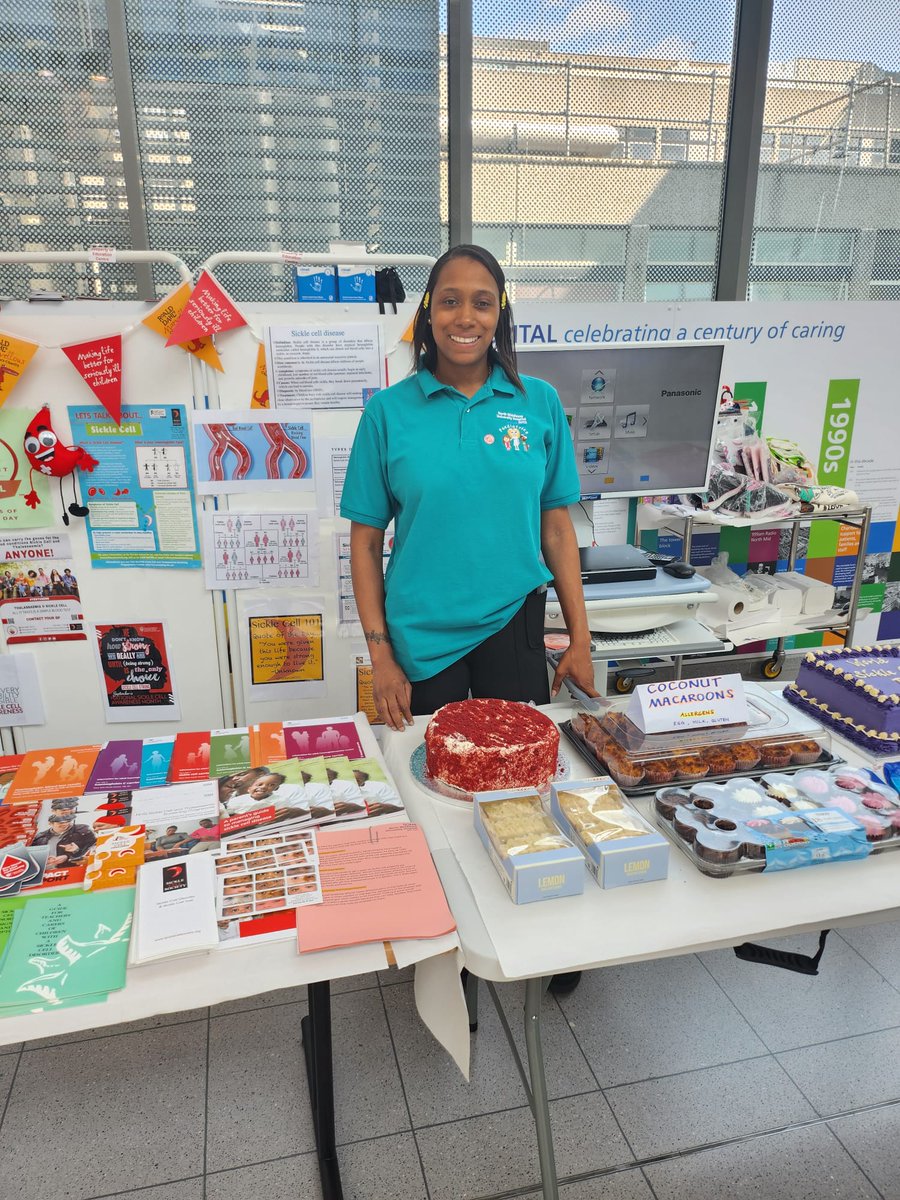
column 474, row 464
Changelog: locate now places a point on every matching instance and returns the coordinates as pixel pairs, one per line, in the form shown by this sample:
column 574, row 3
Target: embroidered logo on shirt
column 489, row 439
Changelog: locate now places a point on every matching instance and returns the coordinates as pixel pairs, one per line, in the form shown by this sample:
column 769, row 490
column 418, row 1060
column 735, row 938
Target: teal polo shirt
column 465, row 482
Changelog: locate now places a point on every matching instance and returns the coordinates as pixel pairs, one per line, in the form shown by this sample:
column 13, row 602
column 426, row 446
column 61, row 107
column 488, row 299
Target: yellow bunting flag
column 15, row 355
column 167, row 313
column 259, row 396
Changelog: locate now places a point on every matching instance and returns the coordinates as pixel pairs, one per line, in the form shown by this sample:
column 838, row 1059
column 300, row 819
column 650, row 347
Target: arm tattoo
column 373, row 635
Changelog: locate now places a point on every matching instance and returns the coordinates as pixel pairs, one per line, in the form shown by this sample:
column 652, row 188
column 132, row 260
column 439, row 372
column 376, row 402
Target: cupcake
column 746, row 755
column 720, row 761
column 659, row 771
column 668, row 800
column 850, row 781
column 806, row 752
column 776, row 755
column 623, row 769
column 691, row 766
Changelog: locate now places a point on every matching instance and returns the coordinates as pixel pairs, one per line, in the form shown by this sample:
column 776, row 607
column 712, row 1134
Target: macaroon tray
column 776, row 738
column 781, row 821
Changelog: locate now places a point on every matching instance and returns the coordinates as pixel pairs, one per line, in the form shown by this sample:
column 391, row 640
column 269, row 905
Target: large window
column 261, row 126
column 625, row 109
column 599, row 130
column 826, row 182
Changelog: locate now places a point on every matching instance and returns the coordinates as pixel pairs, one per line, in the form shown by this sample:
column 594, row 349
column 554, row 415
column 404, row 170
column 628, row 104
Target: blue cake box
column 621, row 860
column 544, row 875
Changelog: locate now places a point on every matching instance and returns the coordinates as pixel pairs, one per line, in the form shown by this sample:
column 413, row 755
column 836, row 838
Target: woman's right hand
column 392, row 693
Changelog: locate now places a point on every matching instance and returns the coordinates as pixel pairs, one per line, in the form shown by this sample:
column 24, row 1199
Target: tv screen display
column 642, row 419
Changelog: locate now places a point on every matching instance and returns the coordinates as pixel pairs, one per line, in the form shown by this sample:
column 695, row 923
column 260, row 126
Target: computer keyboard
column 644, row 640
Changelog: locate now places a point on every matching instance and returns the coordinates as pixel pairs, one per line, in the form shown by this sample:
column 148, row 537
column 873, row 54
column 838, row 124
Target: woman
column 475, row 466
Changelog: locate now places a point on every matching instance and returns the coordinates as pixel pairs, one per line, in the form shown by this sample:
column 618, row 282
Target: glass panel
column 262, row 126
column 61, row 179
column 619, row 114
column 830, row 124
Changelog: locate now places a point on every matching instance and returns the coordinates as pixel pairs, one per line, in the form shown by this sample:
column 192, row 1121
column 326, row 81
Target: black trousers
column 509, row 665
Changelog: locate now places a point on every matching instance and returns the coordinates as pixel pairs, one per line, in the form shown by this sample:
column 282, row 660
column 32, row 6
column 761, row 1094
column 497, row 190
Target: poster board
column 67, row 671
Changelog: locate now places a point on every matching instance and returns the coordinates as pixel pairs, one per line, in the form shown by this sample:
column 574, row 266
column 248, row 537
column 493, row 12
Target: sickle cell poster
column 140, row 494
column 135, row 672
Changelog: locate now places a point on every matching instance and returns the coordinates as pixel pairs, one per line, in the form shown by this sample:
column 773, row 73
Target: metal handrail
column 342, row 258
column 86, row 256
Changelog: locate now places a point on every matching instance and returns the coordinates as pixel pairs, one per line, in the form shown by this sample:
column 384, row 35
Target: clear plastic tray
column 726, row 829
column 851, row 790
column 777, row 737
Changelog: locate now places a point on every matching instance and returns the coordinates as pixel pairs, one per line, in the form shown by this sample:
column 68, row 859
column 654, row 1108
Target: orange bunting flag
column 259, row 397
column 209, row 310
column 167, row 313
column 99, row 363
column 407, row 335
column 15, row 355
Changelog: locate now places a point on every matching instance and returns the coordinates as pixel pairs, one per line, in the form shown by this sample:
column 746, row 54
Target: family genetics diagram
column 250, row 549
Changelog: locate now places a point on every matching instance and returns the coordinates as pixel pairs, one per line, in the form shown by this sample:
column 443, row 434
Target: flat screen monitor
column 642, row 418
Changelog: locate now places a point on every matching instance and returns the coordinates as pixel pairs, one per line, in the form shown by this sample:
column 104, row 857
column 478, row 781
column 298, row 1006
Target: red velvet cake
column 488, row 745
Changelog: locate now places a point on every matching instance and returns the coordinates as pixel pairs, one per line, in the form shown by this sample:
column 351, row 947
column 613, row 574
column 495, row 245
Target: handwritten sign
column 673, row 704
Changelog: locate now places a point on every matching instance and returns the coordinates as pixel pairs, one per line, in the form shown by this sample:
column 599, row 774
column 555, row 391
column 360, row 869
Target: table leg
column 534, row 990
column 470, row 990
column 316, row 1033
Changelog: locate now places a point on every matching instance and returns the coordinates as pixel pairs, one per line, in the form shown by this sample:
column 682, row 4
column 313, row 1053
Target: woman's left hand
column 575, row 664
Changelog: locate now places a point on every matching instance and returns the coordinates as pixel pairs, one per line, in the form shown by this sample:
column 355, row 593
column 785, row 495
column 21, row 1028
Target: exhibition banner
column 825, row 376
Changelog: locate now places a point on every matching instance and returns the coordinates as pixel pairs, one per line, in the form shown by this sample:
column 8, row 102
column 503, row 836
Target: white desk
column 683, row 914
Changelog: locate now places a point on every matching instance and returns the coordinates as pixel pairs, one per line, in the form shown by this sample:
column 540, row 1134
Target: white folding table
column 683, row 914
column 247, row 969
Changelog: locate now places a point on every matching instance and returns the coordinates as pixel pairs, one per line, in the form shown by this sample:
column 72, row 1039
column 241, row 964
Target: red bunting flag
column 99, row 363
column 209, row 310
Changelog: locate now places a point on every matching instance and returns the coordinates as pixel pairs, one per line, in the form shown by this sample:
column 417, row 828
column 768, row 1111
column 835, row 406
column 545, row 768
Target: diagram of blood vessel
column 280, row 443
column 223, row 440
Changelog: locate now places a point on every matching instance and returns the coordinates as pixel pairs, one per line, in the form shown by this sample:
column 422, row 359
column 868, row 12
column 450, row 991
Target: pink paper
column 378, row 885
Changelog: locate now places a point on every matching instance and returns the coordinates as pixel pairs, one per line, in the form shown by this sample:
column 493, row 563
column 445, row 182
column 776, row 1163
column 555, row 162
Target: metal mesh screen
column 599, row 134
column 827, row 219
column 61, row 182
column 283, row 124
column 262, row 124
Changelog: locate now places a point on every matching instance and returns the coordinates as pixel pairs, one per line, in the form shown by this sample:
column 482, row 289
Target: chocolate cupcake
column 691, row 766
column 668, row 800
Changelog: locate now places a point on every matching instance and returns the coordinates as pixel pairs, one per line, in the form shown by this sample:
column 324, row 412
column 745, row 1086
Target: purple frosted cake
column 855, row 690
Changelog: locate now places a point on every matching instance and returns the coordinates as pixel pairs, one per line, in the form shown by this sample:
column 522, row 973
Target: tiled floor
column 700, row 1078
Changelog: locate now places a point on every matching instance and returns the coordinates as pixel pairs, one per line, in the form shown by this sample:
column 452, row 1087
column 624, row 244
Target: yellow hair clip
column 426, row 299
column 503, row 300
